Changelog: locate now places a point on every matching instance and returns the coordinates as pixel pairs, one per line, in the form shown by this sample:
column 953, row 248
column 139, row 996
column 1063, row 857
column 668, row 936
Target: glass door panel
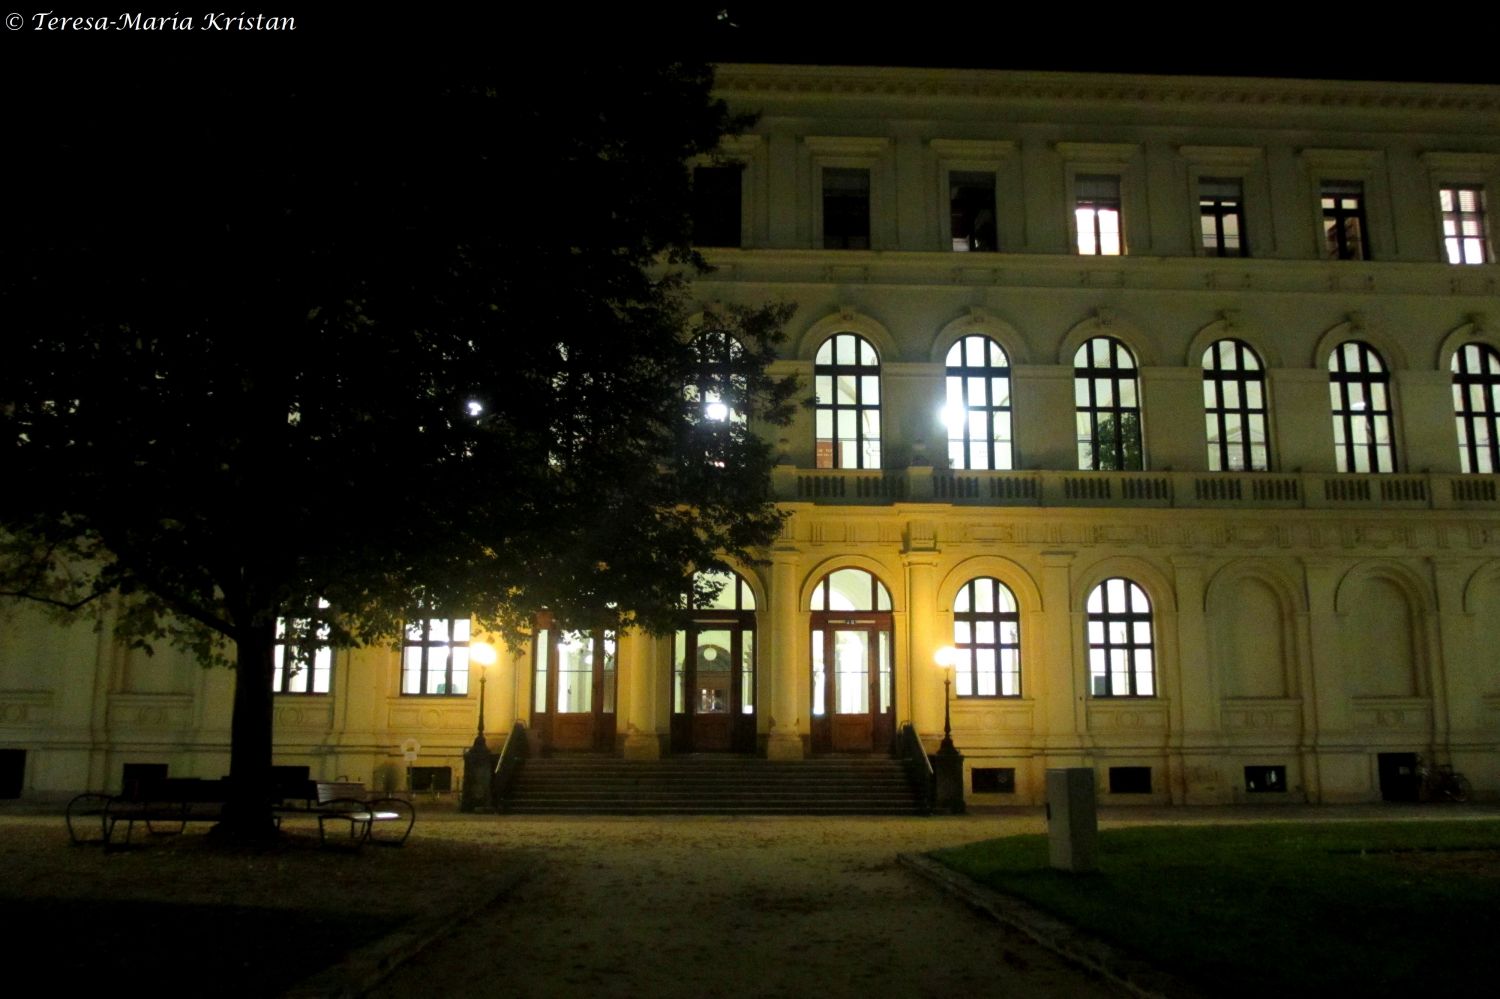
column 714, row 672
column 819, row 676
column 851, row 676
column 575, row 673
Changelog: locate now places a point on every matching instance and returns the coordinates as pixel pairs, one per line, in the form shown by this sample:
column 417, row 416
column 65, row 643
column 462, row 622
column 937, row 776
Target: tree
column 420, row 346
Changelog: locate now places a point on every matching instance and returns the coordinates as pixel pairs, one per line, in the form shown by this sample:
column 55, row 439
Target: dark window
column 1476, row 407
column 993, row 780
column 977, row 412
column 1234, row 404
column 1096, row 212
column 430, row 778
column 303, row 658
column 987, row 639
column 1265, row 780
column 1221, row 210
column 846, row 384
column 1129, row 780
column 846, row 209
column 1463, row 225
column 1344, row 230
column 971, row 203
column 1121, row 653
column 1359, row 387
column 716, row 206
column 435, row 656
column 12, row 772
column 1109, row 411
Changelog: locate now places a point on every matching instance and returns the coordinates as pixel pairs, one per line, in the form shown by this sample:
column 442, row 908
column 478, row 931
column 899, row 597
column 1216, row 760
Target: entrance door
column 713, row 687
column 852, row 681
column 573, row 688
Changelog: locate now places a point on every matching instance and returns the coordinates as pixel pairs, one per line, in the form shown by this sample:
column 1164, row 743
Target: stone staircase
column 712, row 785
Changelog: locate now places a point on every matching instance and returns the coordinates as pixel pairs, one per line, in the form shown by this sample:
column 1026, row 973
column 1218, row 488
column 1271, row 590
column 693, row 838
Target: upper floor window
column 971, row 203
column 1221, row 212
column 846, row 208
column 987, row 638
column 716, row 205
column 846, row 383
column 977, row 412
column 1109, row 412
column 1359, row 387
column 435, row 656
column 1234, row 404
column 303, row 658
column 1096, row 211
column 1463, row 224
column 1344, row 227
column 1476, row 407
column 1121, row 653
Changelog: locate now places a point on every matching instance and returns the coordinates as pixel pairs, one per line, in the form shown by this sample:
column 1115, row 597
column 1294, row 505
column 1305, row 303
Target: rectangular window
column 993, row 780
column 716, row 205
column 435, row 657
column 1265, row 780
column 1129, row 780
column 303, row 659
column 1096, row 210
column 1463, row 225
column 1344, row 227
column 846, row 208
column 971, row 206
column 1221, row 212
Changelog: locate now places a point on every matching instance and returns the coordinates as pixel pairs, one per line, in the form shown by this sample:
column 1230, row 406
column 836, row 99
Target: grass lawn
column 1345, row 908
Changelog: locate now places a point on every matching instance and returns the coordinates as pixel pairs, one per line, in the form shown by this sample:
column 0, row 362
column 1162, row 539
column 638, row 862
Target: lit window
column 971, row 203
column 1344, row 229
column 1476, row 407
column 1234, row 404
column 1359, row 388
column 1096, row 211
column 987, row 638
column 435, row 656
column 1463, row 224
column 716, row 205
column 846, row 209
column 1109, row 412
column 1221, row 212
column 977, row 412
column 846, row 383
column 1121, row 655
column 303, row 658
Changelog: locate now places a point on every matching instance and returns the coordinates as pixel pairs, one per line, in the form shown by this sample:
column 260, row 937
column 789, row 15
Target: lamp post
column 479, row 762
column 948, row 762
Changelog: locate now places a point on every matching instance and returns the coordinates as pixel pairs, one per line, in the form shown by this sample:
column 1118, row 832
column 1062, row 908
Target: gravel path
column 731, row 907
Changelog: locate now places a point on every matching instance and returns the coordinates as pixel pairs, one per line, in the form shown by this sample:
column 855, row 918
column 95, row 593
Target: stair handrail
column 919, row 775
column 508, row 766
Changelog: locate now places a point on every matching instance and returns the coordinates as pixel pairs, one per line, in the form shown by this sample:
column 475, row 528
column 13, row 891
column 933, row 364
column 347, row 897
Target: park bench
column 164, row 802
column 347, row 802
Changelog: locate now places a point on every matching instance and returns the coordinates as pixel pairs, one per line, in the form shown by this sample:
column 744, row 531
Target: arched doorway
column 574, row 682
column 713, row 670
column 853, row 682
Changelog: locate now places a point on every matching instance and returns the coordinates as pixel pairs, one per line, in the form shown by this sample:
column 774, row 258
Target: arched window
column 987, row 637
column 1476, row 407
column 1359, row 387
column 846, row 382
column 1109, row 408
column 1234, row 404
column 1121, row 655
column 978, row 409
column 853, row 678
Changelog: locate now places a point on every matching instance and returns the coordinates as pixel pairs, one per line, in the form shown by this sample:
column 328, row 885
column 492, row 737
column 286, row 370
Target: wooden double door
column 575, row 681
column 853, row 682
column 713, row 683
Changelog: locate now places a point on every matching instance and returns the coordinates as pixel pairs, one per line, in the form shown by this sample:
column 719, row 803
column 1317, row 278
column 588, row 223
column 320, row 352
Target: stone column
column 785, row 679
column 1063, row 716
column 925, row 682
column 639, row 654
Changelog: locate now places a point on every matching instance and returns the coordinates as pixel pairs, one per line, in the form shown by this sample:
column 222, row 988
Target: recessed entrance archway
column 853, row 682
column 574, row 683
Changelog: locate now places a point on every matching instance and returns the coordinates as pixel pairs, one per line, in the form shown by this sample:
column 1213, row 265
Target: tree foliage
column 420, row 345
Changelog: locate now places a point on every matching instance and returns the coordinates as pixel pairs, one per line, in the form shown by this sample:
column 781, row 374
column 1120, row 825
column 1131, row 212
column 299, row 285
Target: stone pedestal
column 948, row 771
column 1072, row 819
column 479, row 764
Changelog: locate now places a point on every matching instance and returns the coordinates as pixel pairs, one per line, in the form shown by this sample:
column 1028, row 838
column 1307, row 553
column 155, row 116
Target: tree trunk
column 247, row 814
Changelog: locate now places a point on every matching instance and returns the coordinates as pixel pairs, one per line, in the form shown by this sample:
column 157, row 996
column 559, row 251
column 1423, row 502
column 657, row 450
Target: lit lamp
column 479, row 763
column 481, row 654
column 945, row 658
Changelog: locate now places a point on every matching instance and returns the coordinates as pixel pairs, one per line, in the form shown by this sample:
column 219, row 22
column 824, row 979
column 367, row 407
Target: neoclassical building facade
column 1164, row 412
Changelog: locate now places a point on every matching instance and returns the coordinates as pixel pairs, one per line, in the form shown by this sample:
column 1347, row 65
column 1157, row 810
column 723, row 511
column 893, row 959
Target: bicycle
column 1441, row 782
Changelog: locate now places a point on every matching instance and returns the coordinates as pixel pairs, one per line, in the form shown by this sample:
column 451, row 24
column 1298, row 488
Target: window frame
column 961, row 411
column 1340, row 247
column 738, row 215
column 1086, row 379
column 311, row 624
column 1005, row 649
column 1222, row 417
column 1375, row 385
column 1094, row 205
column 1480, row 216
column 859, row 371
column 843, row 238
column 1474, row 454
column 1101, row 653
column 1221, row 210
column 426, row 644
